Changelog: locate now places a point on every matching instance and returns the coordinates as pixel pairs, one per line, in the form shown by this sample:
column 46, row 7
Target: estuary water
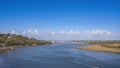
column 58, row 56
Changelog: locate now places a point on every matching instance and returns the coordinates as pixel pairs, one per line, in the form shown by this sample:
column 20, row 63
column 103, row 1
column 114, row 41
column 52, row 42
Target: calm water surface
column 58, row 56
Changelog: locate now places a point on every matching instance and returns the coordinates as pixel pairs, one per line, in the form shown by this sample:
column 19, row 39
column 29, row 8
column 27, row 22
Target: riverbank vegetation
column 19, row 40
column 11, row 41
column 102, row 45
column 105, row 43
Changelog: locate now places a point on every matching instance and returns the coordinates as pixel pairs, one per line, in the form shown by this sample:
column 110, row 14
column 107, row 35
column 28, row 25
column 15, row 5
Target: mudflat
column 99, row 48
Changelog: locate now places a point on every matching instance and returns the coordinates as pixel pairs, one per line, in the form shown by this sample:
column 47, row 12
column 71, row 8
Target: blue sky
column 61, row 19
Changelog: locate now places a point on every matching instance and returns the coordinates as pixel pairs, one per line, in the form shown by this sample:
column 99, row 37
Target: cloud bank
column 95, row 34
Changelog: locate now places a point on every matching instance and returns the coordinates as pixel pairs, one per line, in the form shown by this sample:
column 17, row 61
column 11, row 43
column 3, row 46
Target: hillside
column 13, row 40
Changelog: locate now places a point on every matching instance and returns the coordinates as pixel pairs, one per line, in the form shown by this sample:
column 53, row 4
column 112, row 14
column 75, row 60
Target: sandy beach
column 99, row 48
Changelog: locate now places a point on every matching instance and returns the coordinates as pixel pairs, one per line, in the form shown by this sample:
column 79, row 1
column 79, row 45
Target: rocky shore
column 3, row 49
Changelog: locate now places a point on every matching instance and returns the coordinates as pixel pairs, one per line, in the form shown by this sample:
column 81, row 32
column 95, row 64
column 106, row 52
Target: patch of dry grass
column 99, row 48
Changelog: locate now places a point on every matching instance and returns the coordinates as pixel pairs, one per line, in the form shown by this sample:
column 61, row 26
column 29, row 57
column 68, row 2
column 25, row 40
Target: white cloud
column 53, row 33
column 62, row 32
column 70, row 34
column 32, row 32
column 99, row 32
column 73, row 32
column 13, row 32
column 24, row 32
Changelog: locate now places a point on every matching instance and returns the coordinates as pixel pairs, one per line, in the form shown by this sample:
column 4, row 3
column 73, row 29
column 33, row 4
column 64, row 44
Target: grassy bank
column 13, row 40
column 9, row 41
column 114, row 48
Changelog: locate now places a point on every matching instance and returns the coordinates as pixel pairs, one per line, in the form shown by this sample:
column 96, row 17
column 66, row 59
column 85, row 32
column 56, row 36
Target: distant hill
column 12, row 40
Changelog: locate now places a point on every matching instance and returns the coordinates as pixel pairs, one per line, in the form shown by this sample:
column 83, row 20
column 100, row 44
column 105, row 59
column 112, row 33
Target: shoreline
column 99, row 48
column 7, row 48
column 4, row 49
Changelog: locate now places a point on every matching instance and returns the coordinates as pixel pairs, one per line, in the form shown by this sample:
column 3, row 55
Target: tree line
column 12, row 40
column 97, row 41
column 102, row 41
